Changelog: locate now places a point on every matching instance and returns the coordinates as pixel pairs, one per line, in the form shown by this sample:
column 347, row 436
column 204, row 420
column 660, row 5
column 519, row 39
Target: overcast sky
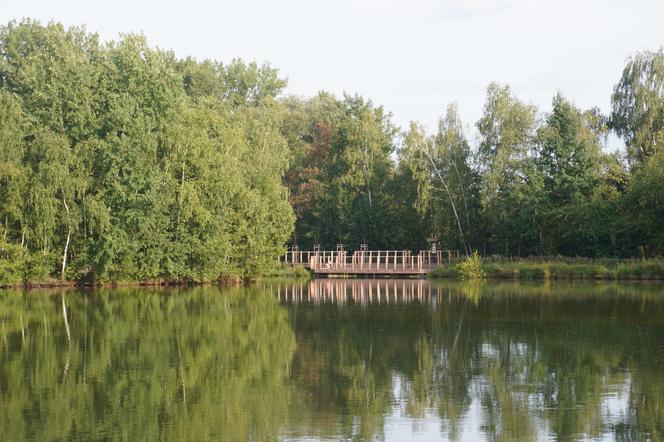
column 413, row 57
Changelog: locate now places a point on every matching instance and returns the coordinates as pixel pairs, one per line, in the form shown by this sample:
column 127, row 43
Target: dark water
column 331, row 360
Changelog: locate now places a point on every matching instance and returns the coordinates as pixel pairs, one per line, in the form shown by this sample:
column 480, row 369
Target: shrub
column 40, row 266
column 600, row 272
column 12, row 264
column 471, row 267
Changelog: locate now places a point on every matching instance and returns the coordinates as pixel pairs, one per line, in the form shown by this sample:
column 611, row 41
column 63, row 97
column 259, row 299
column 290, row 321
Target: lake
column 335, row 359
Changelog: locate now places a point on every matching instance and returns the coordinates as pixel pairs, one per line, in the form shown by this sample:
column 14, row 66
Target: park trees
column 447, row 185
column 643, row 207
column 511, row 188
column 120, row 162
column 49, row 69
column 569, row 160
column 342, row 171
column 638, row 105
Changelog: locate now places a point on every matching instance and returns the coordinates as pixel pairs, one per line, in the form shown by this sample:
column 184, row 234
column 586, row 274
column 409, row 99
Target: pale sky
column 413, row 57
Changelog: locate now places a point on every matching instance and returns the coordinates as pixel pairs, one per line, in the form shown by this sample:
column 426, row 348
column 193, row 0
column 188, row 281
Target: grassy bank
column 647, row 269
column 287, row 271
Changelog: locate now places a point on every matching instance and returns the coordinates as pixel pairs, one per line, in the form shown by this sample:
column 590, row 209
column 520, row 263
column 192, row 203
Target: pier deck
column 372, row 263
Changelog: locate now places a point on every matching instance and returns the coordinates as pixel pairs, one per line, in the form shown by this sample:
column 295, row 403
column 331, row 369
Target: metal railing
column 304, row 257
column 389, row 261
column 371, row 260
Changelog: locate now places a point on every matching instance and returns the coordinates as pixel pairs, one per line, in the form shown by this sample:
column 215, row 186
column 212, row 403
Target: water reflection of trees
column 533, row 359
column 189, row 365
column 207, row 364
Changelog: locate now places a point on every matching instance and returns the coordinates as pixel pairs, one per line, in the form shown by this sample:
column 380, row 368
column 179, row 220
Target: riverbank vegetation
column 121, row 162
column 643, row 269
column 287, row 271
column 471, row 268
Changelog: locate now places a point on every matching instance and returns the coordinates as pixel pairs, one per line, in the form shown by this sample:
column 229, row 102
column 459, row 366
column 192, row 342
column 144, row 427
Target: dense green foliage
column 122, row 162
column 533, row 184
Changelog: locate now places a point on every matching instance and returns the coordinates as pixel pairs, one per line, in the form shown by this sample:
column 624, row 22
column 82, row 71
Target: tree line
column 532, row 183
column 120, row 161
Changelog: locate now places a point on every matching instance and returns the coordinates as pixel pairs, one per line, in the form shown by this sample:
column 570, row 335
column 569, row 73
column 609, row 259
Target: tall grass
column 647, row 269
column 287, row 271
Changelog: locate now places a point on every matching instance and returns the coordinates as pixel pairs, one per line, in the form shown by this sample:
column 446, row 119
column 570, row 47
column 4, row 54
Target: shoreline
column 67, row 284
column 281, row 273
column 625, row 271
column 621, row 270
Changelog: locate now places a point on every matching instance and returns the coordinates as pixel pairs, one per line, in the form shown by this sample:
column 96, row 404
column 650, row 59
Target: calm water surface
column 335, row 360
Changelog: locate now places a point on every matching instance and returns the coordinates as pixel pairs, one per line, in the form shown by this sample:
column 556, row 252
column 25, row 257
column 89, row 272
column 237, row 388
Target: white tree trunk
column 449, row 194
column 64, row 316
column 64, row 254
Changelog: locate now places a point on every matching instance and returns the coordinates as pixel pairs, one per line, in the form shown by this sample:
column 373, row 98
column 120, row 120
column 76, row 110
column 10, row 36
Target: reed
column 645, row 269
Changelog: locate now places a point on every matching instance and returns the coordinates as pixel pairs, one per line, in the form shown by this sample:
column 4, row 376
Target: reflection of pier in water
column 370, row 263
column 364, row 291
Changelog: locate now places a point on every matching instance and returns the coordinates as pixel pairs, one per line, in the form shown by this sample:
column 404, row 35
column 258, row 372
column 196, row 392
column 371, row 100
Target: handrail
column 369, row 261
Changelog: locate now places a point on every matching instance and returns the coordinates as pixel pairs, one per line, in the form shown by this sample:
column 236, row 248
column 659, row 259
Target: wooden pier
column 303, row 257
column 361, row 291
column 371, row 263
